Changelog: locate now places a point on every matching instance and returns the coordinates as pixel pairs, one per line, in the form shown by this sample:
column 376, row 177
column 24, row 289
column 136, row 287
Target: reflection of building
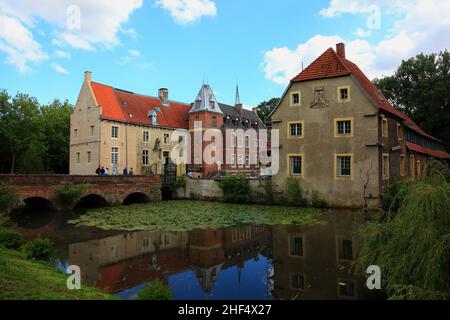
column 124, row 261
column 316, row 261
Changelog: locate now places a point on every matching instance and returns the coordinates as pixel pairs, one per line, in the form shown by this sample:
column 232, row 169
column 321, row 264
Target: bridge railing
column 27, row 180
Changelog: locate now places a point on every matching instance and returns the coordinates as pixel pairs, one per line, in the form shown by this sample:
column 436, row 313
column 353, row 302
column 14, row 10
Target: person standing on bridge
column 107, row 172
column 102, row 171
column 131, row 172
column 125, row 171
column 98, row 171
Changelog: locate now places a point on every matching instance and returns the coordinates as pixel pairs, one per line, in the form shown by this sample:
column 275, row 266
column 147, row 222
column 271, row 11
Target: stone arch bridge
column 42, row 190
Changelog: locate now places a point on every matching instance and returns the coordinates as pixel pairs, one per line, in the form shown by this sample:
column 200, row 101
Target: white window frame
column 115, row 156
column 115, row 132
column 146, row 136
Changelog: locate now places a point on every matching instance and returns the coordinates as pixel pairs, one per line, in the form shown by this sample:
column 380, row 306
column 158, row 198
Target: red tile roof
column 130, row 107
column 328, row 65
column 430, row 152
column 331, row 65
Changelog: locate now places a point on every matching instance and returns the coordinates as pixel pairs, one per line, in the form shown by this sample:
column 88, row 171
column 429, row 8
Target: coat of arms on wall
column 320, row 100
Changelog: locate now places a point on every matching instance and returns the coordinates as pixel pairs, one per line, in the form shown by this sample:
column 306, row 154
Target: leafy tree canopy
column 265, row 108
column 421, row 88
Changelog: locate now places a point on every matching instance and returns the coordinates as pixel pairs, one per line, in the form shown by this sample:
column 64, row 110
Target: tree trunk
column 13, row 163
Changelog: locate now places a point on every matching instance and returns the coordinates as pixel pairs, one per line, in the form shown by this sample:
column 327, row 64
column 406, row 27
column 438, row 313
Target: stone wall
column 202, row 189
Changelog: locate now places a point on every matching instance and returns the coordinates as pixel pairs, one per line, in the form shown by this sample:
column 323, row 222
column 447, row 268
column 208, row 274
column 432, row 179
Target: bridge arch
column 92, row 200
column 136, row 197
column 36, row 202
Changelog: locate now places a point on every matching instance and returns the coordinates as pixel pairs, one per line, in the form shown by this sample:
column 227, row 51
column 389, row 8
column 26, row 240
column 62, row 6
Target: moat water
column 244, row 262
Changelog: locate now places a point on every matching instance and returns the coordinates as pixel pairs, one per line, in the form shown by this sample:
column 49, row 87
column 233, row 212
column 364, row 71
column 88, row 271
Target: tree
column 421, row 88
column 265, row 108
column 55, row 123
column 19, row 126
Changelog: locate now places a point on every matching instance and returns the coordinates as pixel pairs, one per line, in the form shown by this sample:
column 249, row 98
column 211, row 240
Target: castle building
column 118, row 129
column 342, row 139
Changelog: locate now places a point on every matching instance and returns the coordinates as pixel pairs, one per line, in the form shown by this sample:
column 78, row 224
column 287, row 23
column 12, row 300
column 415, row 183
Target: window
column 346, row 288
column 346, row 250
column 78, row 157
column 146, row 136
column 233, row 161
column 89, row 157
column 75, row 133
column 402, row 165
column 115, row 132
column 297, row 282
column 115, row 156
column 247, row 141
column 166, row 138
column 145, row 243
column 114, row 252
column 344, row 166
column 344, row 94
column 214, row 121
column 233, row 140
column 385, row 128
column 240, row 141
column 247, row 161
column 241, row 160
column 212, row 104
column 296, row 246
column 295, row 99
column 385, row 166
column 296, row 129
column 92, row 131
column 343, row 127
column 295, row 165
column 256, row 161
column 399, row 131
column 412, row 166
column 145, row 154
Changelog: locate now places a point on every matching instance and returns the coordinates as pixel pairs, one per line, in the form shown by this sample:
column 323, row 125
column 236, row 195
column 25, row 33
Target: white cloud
column 131, row 32
column 62, row 54
column 423, row 26
column 99, row 23
column 282, row 64
column 18, row 43
column 134, row 53
column 188, row 11
column 58, row 68
column 363, row 33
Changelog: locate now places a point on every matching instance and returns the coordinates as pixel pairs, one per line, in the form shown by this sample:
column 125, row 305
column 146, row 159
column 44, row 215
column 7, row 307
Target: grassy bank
column 22, row 279
column 188, row 215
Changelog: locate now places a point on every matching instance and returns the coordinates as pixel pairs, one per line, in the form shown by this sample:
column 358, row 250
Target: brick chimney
column 163, row 95
column 340, row 49
column 88, row 76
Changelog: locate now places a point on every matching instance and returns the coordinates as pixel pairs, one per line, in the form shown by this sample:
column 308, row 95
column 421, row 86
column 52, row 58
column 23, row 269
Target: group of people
column 101, row 171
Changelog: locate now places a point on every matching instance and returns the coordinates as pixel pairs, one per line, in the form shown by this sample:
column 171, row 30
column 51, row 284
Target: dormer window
column 153, row 117
column 212, row 104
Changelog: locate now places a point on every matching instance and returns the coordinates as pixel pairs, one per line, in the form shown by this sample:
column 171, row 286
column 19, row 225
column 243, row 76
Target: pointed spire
column 238, row 98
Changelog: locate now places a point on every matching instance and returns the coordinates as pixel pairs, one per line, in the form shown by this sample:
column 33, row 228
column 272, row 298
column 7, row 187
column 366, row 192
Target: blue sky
column 142, row 45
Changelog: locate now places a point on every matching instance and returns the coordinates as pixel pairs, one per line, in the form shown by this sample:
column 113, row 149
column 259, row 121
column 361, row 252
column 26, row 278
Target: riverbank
column 185, row 215
column 22, row 279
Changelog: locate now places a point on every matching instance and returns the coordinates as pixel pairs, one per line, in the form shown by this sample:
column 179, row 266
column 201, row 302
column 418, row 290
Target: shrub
column 393, row 198
column 295, row 193
column 10, row 239
column 69, row 195
column 7, row 198
column 181, row 182
column 37, row 249
column 157, row 291
column 412, row 247
column 317, row 201
column 268, row 192
column 235, row 188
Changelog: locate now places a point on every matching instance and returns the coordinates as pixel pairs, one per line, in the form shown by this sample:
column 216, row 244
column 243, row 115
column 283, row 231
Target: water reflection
column 241, row 262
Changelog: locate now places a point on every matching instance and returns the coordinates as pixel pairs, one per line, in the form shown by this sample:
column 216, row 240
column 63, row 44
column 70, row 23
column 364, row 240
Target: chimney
column 340, row 49
column 163, row 95
column 88, row 76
